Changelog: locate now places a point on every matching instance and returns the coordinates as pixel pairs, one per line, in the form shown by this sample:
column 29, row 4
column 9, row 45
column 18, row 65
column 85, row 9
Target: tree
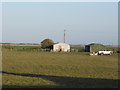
column 47, row 43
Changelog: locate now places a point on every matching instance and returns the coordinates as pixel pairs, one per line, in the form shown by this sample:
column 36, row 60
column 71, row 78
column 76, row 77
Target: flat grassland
column 63, row 70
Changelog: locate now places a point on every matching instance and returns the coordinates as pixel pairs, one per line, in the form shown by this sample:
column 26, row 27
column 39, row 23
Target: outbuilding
column 94, row 47
column 61, row 47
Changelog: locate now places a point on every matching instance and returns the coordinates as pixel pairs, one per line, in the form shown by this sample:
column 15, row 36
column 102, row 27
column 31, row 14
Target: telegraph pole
column 64, row 35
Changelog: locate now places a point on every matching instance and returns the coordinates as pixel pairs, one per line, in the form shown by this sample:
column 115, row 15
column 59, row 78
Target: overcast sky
column 84, row 22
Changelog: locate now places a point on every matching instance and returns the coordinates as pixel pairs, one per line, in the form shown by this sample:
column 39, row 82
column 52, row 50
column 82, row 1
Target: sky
column 84, row 22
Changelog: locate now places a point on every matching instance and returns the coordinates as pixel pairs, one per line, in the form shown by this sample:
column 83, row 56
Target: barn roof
column 57, row 43
column 93, row 44
column 60, row 43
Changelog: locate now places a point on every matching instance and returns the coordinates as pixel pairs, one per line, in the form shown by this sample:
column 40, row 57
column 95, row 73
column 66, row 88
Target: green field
column 50, row 69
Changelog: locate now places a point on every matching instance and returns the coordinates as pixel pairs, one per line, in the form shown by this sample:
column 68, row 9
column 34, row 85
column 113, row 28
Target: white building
column 61, row 47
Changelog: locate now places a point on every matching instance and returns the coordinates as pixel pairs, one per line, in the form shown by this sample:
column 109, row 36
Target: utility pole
column 64, row 35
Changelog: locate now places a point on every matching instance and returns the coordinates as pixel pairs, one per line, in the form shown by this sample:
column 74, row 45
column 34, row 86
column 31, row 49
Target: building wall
column 61, row 47
column 94, row 47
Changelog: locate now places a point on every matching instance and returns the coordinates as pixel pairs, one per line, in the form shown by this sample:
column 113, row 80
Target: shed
column 58, row 47
column 94, row 47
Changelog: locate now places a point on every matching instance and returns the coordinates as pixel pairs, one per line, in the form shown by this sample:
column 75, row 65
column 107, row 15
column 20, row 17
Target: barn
column 94, row 47
column 61, row 47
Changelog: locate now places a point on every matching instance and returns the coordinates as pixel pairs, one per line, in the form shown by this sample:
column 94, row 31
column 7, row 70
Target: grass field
column 50, row 69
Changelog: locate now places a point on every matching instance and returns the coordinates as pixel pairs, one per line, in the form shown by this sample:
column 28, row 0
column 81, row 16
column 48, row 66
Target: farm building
column 94, row 47
column 58, row 47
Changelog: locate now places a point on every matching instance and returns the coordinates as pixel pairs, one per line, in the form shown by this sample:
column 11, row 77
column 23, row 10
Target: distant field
column 50, row 69
column 38, row 47
column 80, row 48
column 23, row 48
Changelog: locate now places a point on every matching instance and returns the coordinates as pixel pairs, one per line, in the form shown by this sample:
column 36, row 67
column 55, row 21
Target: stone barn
column 61, row 47
column 94, row 47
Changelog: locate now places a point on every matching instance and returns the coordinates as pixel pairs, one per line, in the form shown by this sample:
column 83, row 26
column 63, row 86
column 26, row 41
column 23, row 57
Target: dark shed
column 94, row 47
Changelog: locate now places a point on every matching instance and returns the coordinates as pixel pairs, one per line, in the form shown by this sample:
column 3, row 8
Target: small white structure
column 93, row 54
column 61, row 47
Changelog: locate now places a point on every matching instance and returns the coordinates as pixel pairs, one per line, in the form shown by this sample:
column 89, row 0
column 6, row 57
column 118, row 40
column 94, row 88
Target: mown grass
column 50, row 69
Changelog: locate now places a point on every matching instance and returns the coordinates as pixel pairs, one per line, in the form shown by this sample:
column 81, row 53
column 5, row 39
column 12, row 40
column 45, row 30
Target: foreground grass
column 49, row 69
